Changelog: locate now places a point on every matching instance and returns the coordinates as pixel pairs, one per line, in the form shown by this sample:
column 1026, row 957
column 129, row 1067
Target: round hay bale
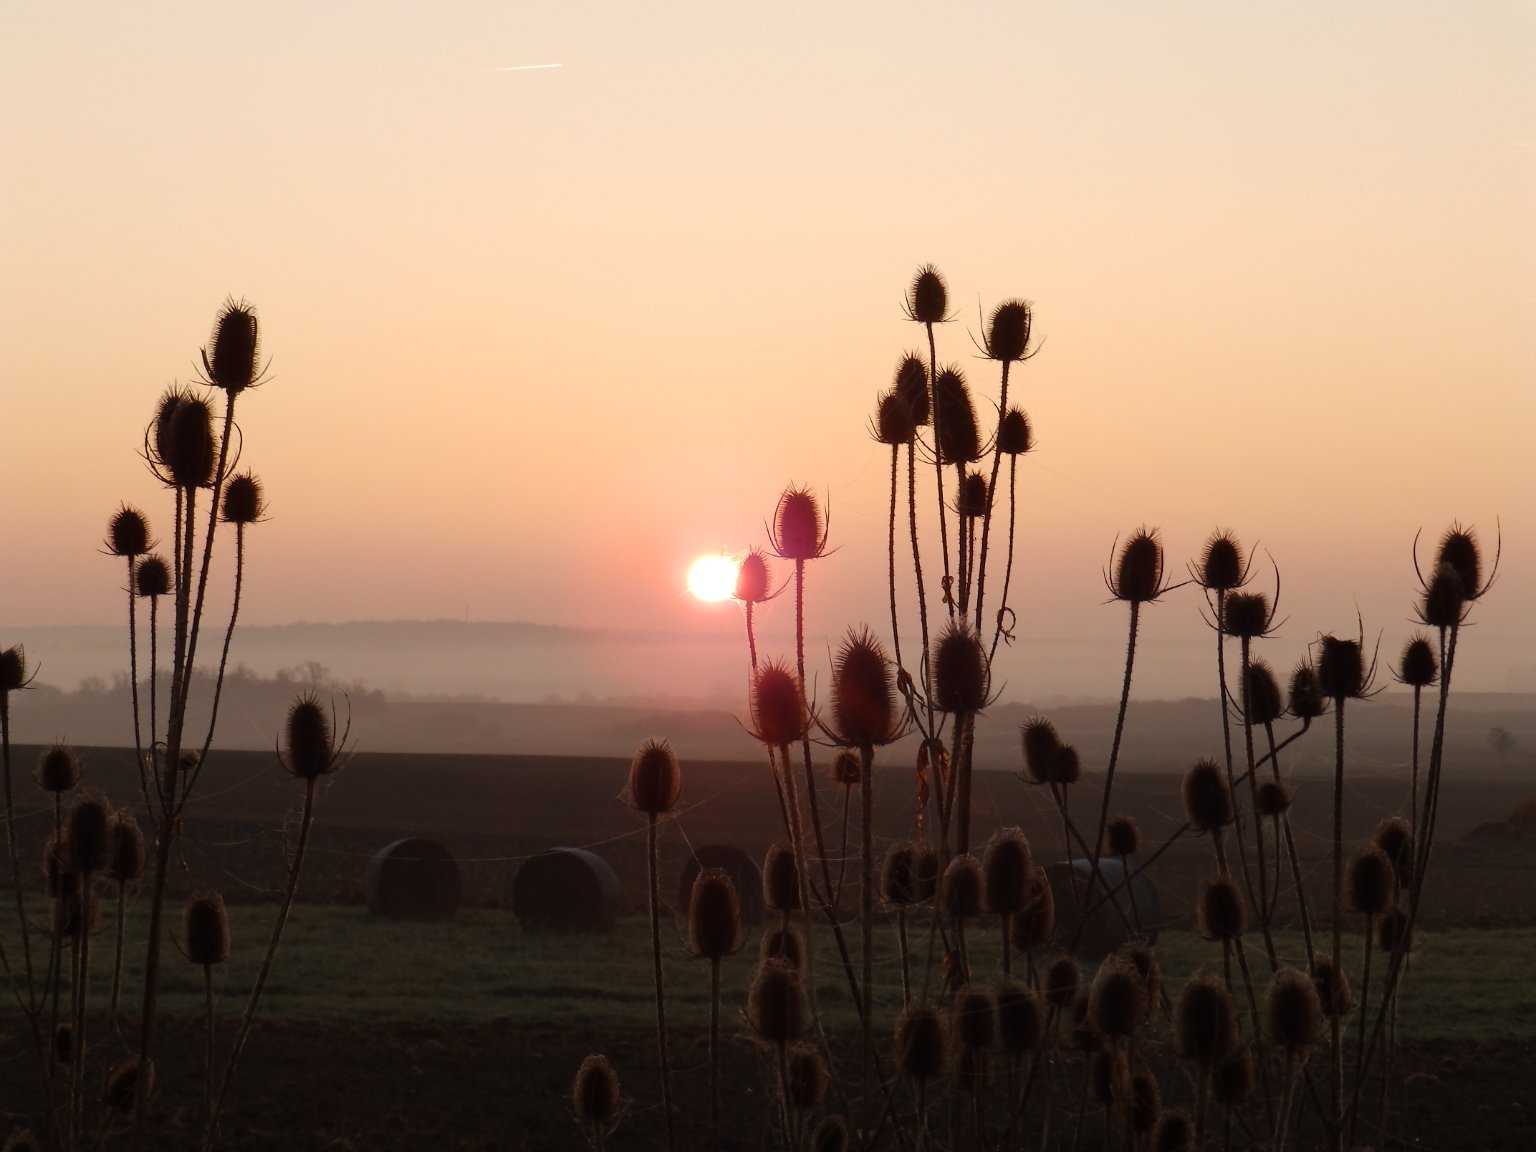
column 413, row 879
column 1109, row 925
column 566, row 890
column 738, row 865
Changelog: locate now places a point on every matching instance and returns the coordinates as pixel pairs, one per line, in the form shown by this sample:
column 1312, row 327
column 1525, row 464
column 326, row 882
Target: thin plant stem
column 654, row 870
column 938, row 472
column 986, row 523
column 867, row 928
column 1002, row 604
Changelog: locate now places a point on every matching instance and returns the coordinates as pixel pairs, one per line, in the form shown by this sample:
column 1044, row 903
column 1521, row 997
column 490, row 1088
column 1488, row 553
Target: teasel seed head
column 1138, row 577
column 928, row 298
column 975, row 1019
column 1005, row 866
column 1122, row 836
column 898, row 885
column 920, row 1042
column 1143, row 963
column 1062, row 979
column 185, row 440
column 1246, row 615
column 1040, row 743
column 1015, row 437
column 1174, row 1132
column 1020, row 1019
column 58, row 768
column 1222, row 565
column 205, row 929
column 784, row 944
column 128, row 533
column 799, row 532
column 1459, row 549
column 1394, row 837
column 830, row 1135
column 22, row 1140
column 595, row 1095
column 1332, row 986
column 1146, row 1102
column 776, row 1006
column 1232, row 1079
column 1274, row 798
column 1066, row 766
column 124, row 1083
column 311, row 751
column 752, row 578
column 974, row 497
column 894, row 422
column 1033, row 925
column 1293, row 1015
column 960, row 890
column 89, row 833
column 911, row 384
column 778, row 708
column 244, row 502
column 1264, row 703
column 1205, row 1021
column 1392, row 931
column 714, row 914
column 127, row 862
column 1306, row 700
column 957, row 439
column 1340, row 668
column 152, row 577
column 807, row 1077
column 1369, row 880
column 1418, row 667
column 13, row 669
column 1116, row 1006
column 1008, row 331
column 655, row 780
column 1220, row 912
column 1207, row 799
column 927, row 871
column 847, row 769
column 233, row 363
column 781, row 878
column 1445, row 599
column 1109, row 1076
column 864, row 709
column 961, row 677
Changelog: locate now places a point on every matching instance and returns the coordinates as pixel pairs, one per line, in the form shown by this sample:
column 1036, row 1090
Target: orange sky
column 540, row 337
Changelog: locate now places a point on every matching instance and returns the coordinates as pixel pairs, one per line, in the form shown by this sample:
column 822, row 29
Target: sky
column 539, row 337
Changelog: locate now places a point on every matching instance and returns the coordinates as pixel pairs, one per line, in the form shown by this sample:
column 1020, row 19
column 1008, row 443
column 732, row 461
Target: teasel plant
column 714, row 932
column 15, row 677
column 205, row 943
column 595, row 1100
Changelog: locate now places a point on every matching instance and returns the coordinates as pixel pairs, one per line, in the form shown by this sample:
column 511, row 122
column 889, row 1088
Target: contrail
column 524, row 67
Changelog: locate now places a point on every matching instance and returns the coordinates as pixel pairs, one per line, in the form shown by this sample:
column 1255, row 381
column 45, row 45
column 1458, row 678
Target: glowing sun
column 712, row 578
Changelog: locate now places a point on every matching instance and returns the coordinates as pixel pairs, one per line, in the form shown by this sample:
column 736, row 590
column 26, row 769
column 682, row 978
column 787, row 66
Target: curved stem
column 1013, row 506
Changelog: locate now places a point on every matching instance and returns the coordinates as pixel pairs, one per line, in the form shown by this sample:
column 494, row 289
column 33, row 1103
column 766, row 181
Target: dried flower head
column 1341, row 668
column 920, row 1042
column 1006, row 867
column 22, row 1140
column 961, row 674
column 864, row 711
column 127, row 862
column 152, row 577
column 1020, row 1019
column 1306, row 700
column 1262, row 703
column 960, row 889
column 798, row 532
column 1116, row 1006
column 1445, row 599
column 1015, row 437
column 655, row 780
column 806, row 1077
column 1205, row 1021
column 752, row 578
column 1207, row 799
column 1122, row 836
column 927, row 298
column 1222, row 565
column 128, row 533
column 1332, row 984
column 898, row 885
column 205, row 929
column 1034, row 925
column 1040, row 743
column 894, row 422
column 1220, row 911
column 1232, row 1079
column 1174, row 1132
column 714, row 915
column 1146, row 1102
column 1460, row 550
column 1062, row 979
column 1369, row 880
column 847, row 769
column 927, row 870
column 974, row 497
column 311, row 748
column 911, row 384
column 781, row 878
column 778, row 709
column 957, row 439
column 1393, row 932
column 776, row 1005
column 595, row 1095
column 13, row 669
column 1138, row 574
column 244, row 502
column 123, row 1085
column 185, row 449
column 233, row 363
column 1394, row 836
column 1292, row 1013
column 89, row 833
column 1274, row 798
column 975, row 1019
column 1418, row 668
column 830, row 1135
column 784, row 944
column 58, row 768
column 1008, row 331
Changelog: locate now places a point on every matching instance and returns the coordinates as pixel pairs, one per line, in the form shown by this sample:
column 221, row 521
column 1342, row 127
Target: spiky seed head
column 1122, row 835
column 776, row 1006
column 911, row 384
column 1392, row 931
column 920, row 1042
column 1418, row 668
column 1066, row 766
column 595, row 1094
column 1109, row 1076
column 187, row 443
column 1040, row 743
column 1445, row 599
column 1232, row 1079
column 830, row 1135
column 1340, row 668
column 1246, row 615
column 927, row 870
column 128, row 533
column 928, row 298
column 89, row 838
column 310, row 751
column 1138, row 575
column 64, row 1044
column 806, row 1076
column 1061, row 981
column 752, row 578
column 1306, row 700
column 1146, row 1102
column 714, row 914
column 1005, row 866
column 1033, row 925
column 961, row 677
column 847, row 768
column 864, row 712
column 244, row 502
column 781, row 878
column 1015, row 437
column 205, row 929
column 1332, row 986
column 1274, row 798
column 975, row 1019
column 58, row 768
column 13, row 669
column 778, row 708
column 1369, row 879
column 1174, row 1132
column 127, row 862
column 1459, row 549
column 798, row 530
column 152, row 577
column 1293, row 1015
column 960, row 890
column 957, row 439
column 1008, row 330
column 124, row 1083
column 974, row 497
column 235, row 348
column 894, row 423
column 1143, row 964
column 1221, row 564
column 1394, row 837
column 784, row 944
column 1263, row 704
column 1220, row 912
column 655, row 780
column 898, row 886
column 22, row 1140
column 1115, row 1001
column 1207, row 799
column 1205, row 1021
column 1020, row 1021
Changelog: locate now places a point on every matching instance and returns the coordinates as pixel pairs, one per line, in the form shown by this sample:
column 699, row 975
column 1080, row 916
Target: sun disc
column 712, row 578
